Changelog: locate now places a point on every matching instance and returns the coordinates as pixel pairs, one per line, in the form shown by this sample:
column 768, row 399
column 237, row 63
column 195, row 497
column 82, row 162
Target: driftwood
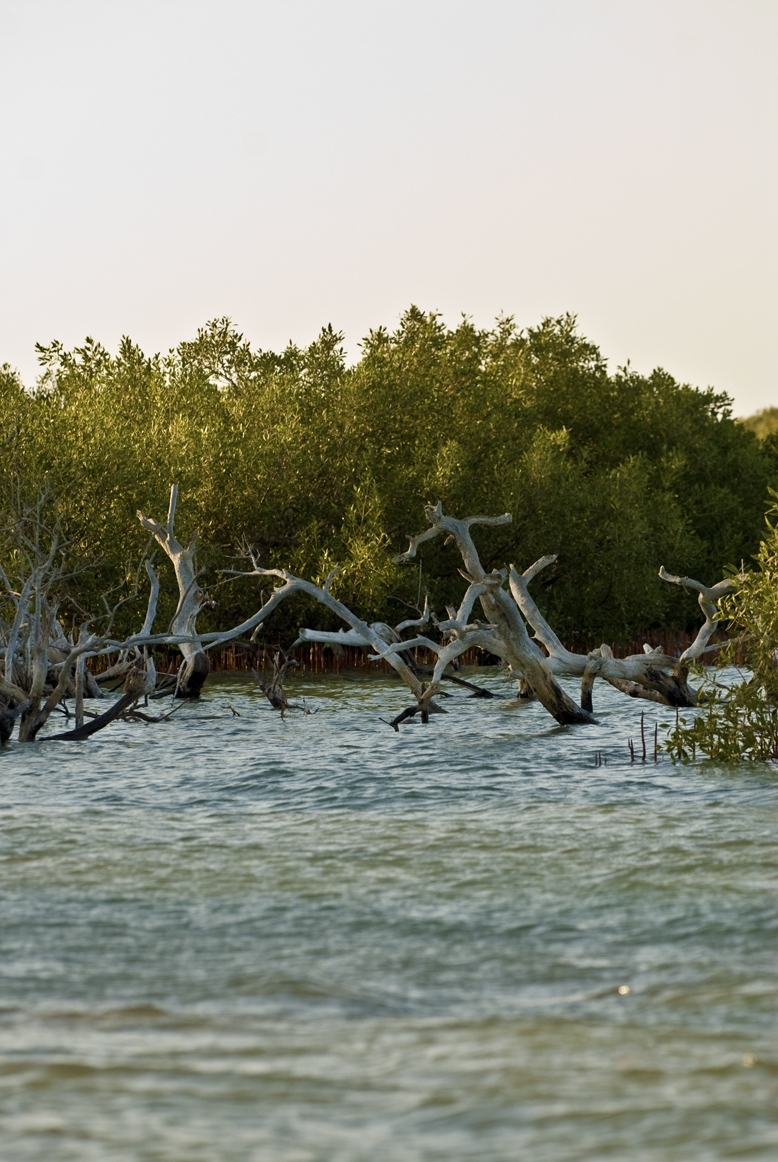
column 26, row 688
column 42, row 666
column 506, row 630
column 351, row 637
column 476, row 691
column 708, row 598
column 138, row 683
column 191, row 599
column 274, row 689
column 653, row 674
column 367, row 633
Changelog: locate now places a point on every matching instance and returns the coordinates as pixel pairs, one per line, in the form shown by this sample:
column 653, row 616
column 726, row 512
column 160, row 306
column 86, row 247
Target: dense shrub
column 318, row 464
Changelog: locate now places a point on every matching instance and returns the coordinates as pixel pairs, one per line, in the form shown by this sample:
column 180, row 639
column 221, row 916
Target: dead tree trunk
column 8, row 715
column 135, row 686
column 502, row 613
column 41, row 666
column 274, row 689
column 652, row 675
column 191, row 599
column 362, row 631
column 708, row 598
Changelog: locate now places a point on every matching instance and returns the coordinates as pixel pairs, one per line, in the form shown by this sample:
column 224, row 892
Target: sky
column 295, row 163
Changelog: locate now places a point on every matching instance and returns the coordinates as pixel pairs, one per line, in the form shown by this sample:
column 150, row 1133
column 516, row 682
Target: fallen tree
column 506, row 631
column 43, row 667
column 653, row 674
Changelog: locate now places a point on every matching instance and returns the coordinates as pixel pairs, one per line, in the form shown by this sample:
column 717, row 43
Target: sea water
column 238, row 937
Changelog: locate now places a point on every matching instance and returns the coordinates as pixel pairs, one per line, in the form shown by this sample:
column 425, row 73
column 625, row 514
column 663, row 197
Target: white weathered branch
column 531, row 573
column 420, row 641
column 520, row 651
column 22, row 607
column 639, row 675
column 342, row 637
column 434, row 514
column 410, row 553
column 461, row 616
column 329, row 637
column 345, row 637
column 191, row 598
column 416, row 623
column 712, row 593
column 561, row 660
column 151, row 609
column 708, row 599
column 294, row 584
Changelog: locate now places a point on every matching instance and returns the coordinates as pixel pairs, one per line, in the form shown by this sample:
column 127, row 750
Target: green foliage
column 739, row 720
column 762, row 423
column 319, row 465
column 737, row 723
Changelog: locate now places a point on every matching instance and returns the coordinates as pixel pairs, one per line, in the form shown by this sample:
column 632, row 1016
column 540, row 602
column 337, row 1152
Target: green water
column 242, row 938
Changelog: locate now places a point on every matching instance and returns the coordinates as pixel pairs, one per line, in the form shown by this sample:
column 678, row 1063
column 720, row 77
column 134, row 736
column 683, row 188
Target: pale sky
column 305, row 162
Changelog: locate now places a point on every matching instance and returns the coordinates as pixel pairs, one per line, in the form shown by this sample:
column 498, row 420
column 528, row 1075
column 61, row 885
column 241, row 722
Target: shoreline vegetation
column 314, row 472
column 314, row 464
column 763, row 423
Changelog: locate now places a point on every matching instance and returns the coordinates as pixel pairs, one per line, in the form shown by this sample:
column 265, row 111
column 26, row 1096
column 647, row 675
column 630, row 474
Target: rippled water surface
column 248, row 938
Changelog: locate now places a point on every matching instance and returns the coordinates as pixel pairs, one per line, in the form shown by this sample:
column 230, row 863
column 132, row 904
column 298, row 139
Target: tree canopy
column 763, row 423
column 315, row 463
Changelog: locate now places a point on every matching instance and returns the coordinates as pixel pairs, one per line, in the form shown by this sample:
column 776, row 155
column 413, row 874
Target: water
column 247, row 938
